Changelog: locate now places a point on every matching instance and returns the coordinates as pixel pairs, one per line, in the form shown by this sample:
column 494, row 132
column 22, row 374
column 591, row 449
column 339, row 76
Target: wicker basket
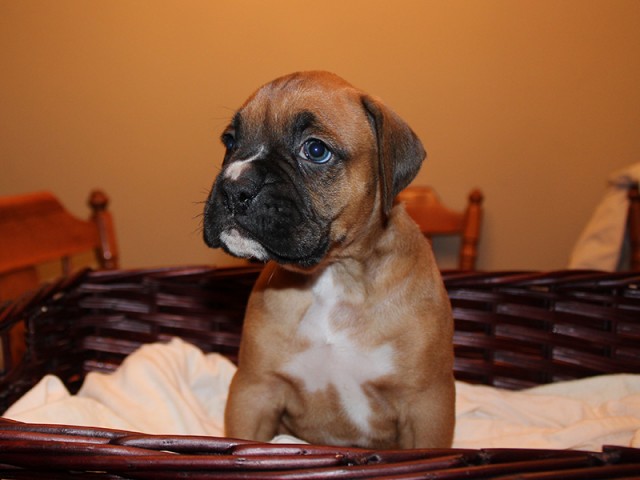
column 513, row 330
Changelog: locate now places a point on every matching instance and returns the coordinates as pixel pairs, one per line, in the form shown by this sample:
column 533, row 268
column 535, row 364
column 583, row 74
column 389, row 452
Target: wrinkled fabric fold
column 599, row 246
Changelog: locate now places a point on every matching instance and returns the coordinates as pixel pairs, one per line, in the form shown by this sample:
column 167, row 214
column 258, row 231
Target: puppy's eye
column 228, row 141
column 315, row 151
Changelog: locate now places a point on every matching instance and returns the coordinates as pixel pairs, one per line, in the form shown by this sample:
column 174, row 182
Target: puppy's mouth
column 236, row 241
column 243, row 246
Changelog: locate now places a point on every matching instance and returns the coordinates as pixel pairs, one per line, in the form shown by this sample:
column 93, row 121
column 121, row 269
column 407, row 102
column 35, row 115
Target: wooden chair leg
column 107, row 254
column 471, row 235
column 633, row 226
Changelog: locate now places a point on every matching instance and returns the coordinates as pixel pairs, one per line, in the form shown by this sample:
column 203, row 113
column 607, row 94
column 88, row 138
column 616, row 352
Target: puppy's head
column 312, row 164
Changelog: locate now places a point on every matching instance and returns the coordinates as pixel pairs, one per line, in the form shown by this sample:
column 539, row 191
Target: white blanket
column 176, row 389
column 599, row 246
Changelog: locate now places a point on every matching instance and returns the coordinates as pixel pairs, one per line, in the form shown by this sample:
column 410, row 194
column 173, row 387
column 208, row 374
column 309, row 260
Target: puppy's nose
column 238, row 194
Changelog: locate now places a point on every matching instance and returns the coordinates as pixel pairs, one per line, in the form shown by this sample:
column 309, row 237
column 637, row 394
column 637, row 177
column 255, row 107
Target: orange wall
column 535, row 102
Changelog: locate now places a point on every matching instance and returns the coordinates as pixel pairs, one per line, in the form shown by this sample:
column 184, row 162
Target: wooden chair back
column 35, row 229
column 633, row 227
column 434, row 218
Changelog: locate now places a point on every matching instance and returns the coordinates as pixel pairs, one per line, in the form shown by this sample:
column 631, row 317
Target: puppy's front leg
column 430, row 422
column 252, row 411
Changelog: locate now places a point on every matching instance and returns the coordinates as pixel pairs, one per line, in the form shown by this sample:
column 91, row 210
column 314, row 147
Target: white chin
column 242, row 246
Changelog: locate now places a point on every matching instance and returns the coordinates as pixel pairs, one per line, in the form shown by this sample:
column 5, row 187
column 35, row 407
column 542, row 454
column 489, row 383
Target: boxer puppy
column 347, row 337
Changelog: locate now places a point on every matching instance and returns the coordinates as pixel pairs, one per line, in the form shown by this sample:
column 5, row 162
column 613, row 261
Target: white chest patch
column 334, row 357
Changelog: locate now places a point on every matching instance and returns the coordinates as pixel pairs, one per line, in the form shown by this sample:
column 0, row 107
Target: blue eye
column 228, row 141
column 316, row 151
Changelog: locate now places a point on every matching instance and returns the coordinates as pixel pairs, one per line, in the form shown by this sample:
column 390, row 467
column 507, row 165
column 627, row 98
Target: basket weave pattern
column 513, row 330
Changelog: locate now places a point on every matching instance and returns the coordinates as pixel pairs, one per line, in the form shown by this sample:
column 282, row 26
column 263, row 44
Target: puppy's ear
column 400, row 151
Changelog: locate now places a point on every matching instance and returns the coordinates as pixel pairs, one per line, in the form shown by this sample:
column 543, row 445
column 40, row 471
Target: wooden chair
column 433, row 218
column 633, row 227
column 35, row 229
